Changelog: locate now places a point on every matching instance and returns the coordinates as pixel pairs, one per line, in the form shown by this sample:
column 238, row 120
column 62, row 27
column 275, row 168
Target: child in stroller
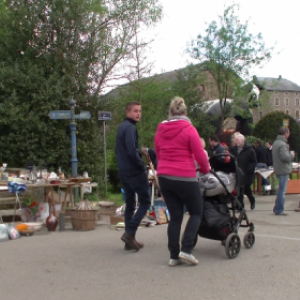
column 223, row 214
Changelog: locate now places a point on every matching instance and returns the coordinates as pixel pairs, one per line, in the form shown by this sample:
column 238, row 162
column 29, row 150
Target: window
column 297, row 102
column 286, row 102
column 277, row 102
column 296, row 94
column 260, row 114
column 287, row 112
column 286, row 93
column 297, row 114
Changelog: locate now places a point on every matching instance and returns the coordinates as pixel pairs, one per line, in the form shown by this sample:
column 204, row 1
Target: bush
column 267, row 129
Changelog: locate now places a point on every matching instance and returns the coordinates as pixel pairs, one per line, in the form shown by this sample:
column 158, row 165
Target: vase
column 51, row 222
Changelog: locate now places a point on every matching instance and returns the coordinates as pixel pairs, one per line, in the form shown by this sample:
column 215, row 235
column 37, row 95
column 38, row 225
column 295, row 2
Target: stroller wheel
column 249, row 240
column 232, row 245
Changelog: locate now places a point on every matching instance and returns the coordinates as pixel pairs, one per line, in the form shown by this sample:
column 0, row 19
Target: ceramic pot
column 51, row 222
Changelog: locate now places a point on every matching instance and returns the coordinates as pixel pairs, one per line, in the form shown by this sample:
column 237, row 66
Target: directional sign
column 104, row 115
column 84, row 115
column 59, row 114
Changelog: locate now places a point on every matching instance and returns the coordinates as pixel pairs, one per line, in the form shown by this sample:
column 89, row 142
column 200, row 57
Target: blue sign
column 84, row 115
column 59, row 114
column 104, row 115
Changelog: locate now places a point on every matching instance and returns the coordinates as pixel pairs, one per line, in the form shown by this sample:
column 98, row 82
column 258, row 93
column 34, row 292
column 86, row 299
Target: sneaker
column 189, row 258
column 174, row 262
column 282, row 214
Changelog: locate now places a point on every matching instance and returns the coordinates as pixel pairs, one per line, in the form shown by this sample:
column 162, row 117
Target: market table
column 258, row 175
column 267, row 172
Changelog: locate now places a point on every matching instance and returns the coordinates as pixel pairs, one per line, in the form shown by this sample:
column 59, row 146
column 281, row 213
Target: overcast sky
column 278, row 21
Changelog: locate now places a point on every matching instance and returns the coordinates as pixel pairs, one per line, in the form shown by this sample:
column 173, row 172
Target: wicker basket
column 84, row 219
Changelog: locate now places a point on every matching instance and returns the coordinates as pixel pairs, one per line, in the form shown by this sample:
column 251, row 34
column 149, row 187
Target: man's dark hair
column 283, row 130
column 129, row 105
column 259, row 142
column 214, row 138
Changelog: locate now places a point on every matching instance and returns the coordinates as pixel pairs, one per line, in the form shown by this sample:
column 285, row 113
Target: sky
column 277, row 21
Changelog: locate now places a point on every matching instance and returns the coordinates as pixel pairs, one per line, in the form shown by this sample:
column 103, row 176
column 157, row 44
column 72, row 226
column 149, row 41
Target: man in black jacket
column 246, row 161
column 216, row 147
column 132, row 174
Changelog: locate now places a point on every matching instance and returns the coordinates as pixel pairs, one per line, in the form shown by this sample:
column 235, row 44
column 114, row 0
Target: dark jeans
column 246, row 190
column 135, row 185
column 177, row 194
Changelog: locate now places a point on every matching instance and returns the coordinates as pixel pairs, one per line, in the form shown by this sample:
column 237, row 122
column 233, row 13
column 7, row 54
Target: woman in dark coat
column 246, row 160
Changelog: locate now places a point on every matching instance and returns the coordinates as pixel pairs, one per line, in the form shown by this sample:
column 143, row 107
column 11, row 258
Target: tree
column 230, row 53
column 51, row 51
column 267, row 129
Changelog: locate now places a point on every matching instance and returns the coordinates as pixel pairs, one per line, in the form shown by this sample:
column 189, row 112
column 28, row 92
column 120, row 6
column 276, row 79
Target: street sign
column 84, row 115
column 104, row 115
column 59, row 114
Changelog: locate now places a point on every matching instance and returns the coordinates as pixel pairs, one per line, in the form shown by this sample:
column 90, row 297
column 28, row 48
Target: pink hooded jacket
column 177, row 146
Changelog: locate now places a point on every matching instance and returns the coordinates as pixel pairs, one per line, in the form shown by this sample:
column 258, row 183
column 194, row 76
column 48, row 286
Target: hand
column 144, row 150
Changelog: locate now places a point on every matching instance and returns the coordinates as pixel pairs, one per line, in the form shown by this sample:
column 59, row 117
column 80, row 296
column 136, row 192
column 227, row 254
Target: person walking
column 282, row 164
column 246, row 160
column 133, row 175
column 177, row 146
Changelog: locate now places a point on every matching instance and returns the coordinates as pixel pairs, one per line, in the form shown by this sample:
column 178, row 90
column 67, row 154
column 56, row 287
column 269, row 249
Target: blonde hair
column 177, row 107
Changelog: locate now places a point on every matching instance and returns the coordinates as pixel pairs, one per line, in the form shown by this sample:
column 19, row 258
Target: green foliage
column 51, row 51
column 229, row 52
column 267, row 128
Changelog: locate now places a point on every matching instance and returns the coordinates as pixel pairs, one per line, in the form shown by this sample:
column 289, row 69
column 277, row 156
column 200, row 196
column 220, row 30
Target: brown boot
column 129, row 239
column 128, row 248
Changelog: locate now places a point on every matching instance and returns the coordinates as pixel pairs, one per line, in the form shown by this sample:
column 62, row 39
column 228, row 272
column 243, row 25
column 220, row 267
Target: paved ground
column 92, row 265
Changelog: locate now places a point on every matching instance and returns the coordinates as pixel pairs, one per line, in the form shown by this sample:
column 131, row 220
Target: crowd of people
column 179, row 151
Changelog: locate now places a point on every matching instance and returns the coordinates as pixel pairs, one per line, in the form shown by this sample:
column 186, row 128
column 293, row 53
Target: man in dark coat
column 132, row 174
column 246, row 160
column 216, row 148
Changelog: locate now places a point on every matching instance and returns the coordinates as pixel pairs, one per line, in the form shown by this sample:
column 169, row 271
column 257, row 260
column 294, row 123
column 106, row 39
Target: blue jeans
column 263, row 180
column 279, row 202
column 135, row 185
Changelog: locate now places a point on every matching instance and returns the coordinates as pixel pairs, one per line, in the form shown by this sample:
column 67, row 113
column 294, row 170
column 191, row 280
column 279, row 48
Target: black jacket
column 261, row 154
column 216, row 150
column 246, row 161
column 127, row 150
column 269, row 157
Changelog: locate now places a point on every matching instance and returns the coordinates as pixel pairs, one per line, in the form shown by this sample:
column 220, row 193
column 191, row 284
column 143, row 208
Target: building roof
column 276, row 84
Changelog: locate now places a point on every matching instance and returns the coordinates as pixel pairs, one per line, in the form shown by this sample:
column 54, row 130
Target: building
column 277, row 94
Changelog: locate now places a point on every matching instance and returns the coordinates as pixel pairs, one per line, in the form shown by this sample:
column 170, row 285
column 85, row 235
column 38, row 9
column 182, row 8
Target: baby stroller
column 223, row 213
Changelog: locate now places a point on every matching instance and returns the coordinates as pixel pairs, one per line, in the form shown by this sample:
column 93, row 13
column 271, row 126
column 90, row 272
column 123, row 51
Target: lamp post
column 73, row 139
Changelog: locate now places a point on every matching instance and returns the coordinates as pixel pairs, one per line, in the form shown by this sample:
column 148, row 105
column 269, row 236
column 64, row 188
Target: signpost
column 104, row 116
column 70, row 115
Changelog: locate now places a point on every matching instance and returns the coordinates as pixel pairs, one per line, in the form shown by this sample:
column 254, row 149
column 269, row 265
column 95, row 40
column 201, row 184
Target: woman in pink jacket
column 178, row 146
